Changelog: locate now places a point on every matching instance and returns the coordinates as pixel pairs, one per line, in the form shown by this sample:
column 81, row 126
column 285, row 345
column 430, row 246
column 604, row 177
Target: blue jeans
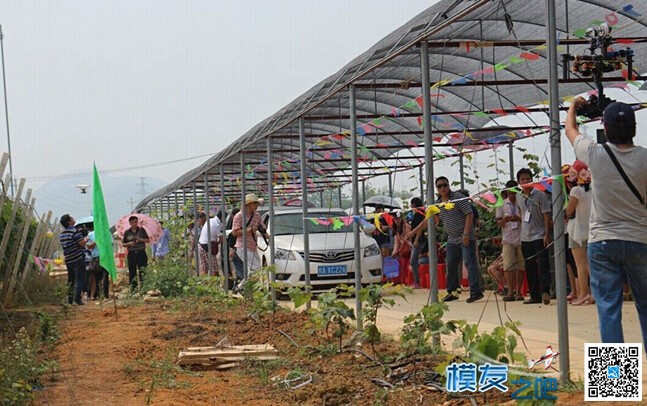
column 239, row 267
column 611, row 262
column 454, row 252
column 414, row 261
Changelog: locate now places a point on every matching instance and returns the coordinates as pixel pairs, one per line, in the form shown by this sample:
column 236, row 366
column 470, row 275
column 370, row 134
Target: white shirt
column 578, row 228
column 511, row 231
column 215, row 226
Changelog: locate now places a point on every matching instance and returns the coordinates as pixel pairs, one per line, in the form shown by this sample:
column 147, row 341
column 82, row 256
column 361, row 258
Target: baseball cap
column 619, row 114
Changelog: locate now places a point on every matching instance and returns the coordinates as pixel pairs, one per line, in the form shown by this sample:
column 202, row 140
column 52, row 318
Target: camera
column 595, row 107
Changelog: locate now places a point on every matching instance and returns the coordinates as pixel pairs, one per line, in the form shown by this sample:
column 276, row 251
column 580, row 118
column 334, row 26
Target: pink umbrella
column 152, row 227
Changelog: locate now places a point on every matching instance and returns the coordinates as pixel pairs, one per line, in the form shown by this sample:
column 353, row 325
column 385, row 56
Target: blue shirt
column 95, row 250
column 161, row 248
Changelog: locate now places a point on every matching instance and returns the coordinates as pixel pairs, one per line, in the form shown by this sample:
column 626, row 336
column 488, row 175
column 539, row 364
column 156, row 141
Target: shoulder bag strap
column 623, row 174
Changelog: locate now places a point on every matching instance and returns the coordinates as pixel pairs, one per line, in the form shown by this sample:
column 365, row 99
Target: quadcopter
column 82, row 188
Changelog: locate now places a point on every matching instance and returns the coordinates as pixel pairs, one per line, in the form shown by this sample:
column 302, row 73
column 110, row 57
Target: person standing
column 579, row 213
column 461, row 241
column 253, row 225
column 418, row 235
column 73, row 242
column 617, row 245
column 535, row 237
column 210, row 235
column 508, row 217
column 135, row 239
column 162, row 247
column 97, row 272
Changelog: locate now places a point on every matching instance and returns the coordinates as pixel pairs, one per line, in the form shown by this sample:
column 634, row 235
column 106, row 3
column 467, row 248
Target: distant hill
column 61, row 196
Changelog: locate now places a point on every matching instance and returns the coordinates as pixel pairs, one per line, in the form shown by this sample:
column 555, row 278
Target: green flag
column 102, row 234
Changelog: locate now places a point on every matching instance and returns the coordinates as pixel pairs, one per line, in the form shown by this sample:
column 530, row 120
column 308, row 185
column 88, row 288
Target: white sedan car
column 332, row 250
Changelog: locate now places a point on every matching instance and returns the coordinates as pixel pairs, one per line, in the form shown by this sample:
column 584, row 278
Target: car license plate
column 331, row 270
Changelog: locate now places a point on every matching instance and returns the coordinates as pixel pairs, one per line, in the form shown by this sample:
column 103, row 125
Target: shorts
column 577, row 244
column 513, row 258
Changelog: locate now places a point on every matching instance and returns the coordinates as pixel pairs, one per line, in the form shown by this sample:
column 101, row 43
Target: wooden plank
column 234, row 347
column 15, row 274
column 227, row 357
column 40, row 232
column 7, row 234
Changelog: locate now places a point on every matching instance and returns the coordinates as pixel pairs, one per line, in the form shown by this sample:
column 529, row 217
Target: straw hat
column 251, row 198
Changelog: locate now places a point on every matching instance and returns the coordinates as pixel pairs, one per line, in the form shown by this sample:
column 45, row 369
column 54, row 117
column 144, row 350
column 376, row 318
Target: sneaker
column 416, row 286
column 459, row 290
column 532, row 300
column 519, row 297
column 449, row 297
column 505, row 292
column 474, row 298
column 545, row 297
column 509, row 298
column 78, row 304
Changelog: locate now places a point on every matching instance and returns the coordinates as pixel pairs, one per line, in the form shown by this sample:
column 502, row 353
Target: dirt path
column 132, row 362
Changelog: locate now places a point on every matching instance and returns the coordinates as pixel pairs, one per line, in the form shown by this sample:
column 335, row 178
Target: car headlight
column 284, row 255
column 371, row 250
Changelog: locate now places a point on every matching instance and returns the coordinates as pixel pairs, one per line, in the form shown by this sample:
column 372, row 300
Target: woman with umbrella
column 135, row 239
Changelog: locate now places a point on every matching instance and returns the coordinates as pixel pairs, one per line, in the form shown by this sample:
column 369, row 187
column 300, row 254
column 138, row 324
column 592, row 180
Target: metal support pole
column 6, row 110
column 321, row 199
column 224, row 248
column 461, row 161
column 304, row 203
column 390, row 185
column 196, row 234
column 431, row 225
column 363, row 196
column 558, row 196
column 208, row 225
column 339, row 196
column 511, row 160
column 356, row 230
column 243, row 209
column 422, row 182
column 270, row 198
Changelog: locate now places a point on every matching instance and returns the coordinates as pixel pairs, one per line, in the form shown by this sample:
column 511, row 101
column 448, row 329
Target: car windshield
column 292, row 223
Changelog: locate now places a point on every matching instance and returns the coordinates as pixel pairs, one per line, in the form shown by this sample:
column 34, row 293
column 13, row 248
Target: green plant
column 20, row 370
column 499, row 345
column 419, row 328
column 209, row 287
column 49, row 332
column 170, row 279
column 373, row 298
column 331, row 309
column 257, row 288
column 298, row 296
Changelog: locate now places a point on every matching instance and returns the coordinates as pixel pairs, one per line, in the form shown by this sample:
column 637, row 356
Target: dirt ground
column 132, row 362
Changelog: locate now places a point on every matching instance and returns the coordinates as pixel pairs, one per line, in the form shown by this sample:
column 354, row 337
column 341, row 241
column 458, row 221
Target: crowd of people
column 606, row 234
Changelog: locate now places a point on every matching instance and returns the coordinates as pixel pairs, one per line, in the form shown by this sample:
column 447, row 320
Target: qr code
column 612, row 372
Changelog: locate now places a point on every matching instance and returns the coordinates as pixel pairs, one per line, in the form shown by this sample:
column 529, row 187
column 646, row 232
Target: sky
column 152, row 88
column 151, row 84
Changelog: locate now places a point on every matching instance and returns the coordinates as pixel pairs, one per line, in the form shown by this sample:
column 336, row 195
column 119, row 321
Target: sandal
column 571, row 297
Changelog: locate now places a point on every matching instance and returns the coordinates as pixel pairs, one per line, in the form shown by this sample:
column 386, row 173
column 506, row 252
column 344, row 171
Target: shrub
column 169, row 279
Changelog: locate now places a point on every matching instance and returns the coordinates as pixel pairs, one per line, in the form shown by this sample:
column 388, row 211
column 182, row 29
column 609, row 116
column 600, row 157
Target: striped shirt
column 69, row 239
column 454, row 218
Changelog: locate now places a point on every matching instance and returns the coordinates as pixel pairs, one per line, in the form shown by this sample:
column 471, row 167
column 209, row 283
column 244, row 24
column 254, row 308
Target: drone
column 82, row 188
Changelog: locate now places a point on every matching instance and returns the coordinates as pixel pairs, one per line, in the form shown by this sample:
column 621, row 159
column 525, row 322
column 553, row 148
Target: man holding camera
column 135, row 239
column 617, row 245
column 253, row 224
